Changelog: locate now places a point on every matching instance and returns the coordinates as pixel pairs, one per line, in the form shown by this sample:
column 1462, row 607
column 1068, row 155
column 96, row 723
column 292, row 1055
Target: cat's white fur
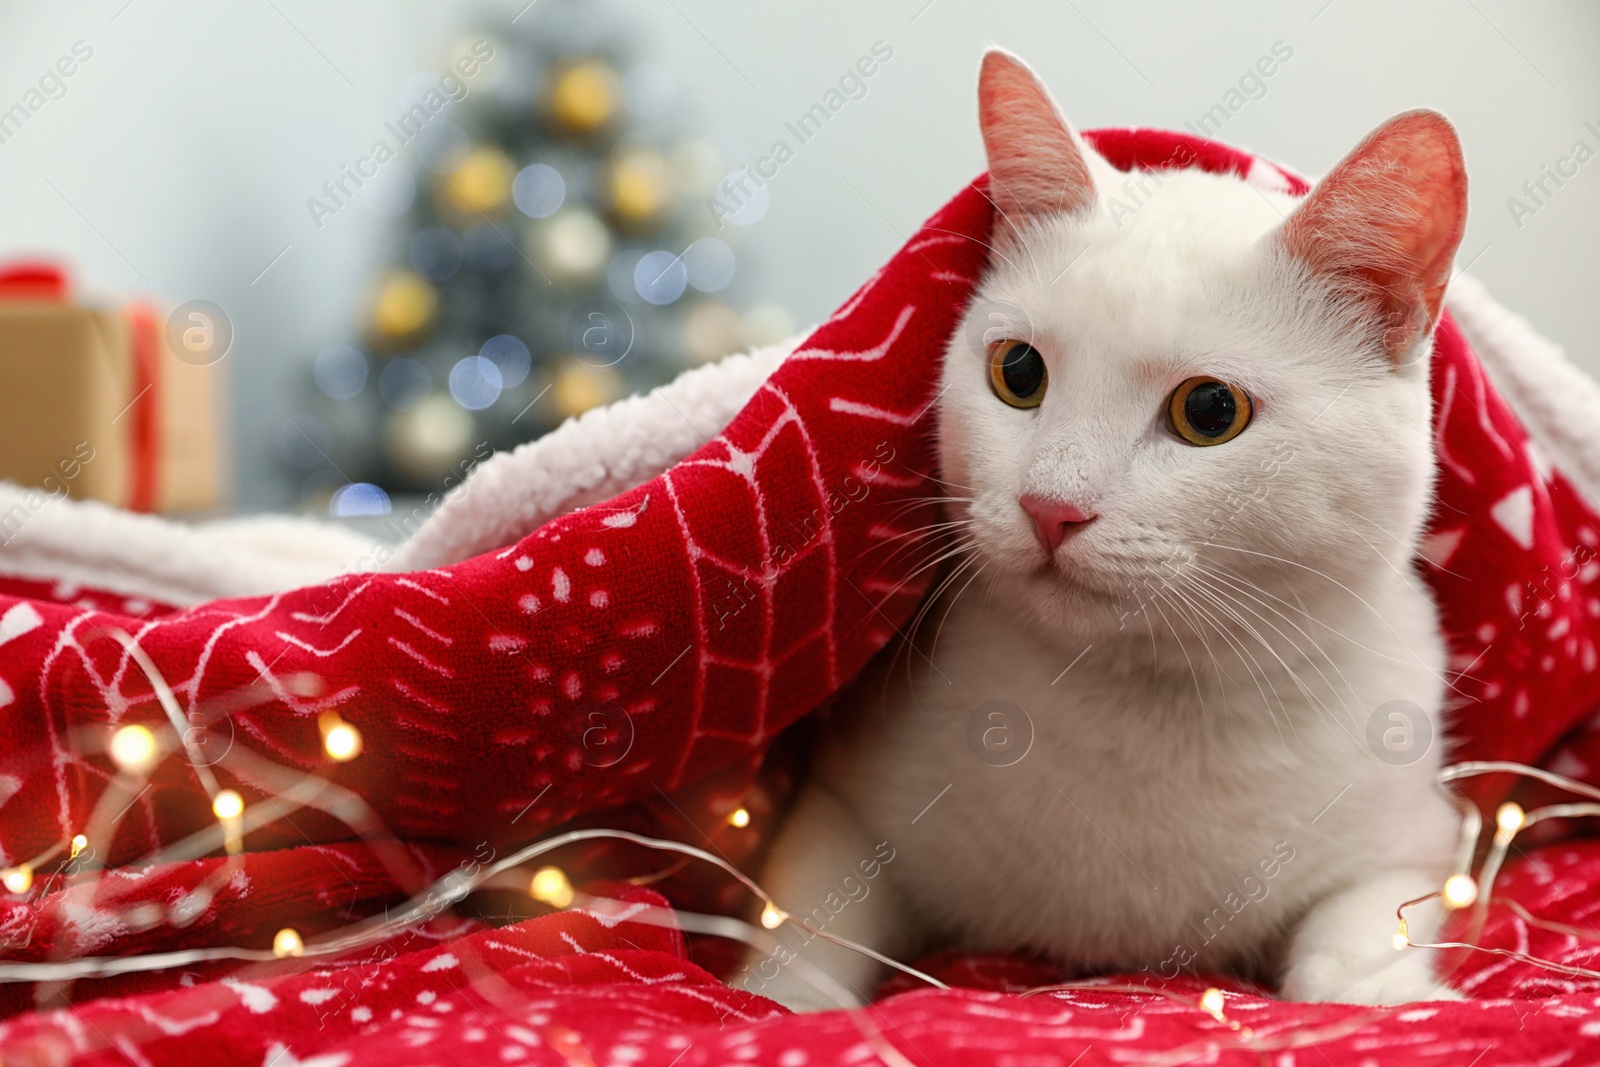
column 1196, row 668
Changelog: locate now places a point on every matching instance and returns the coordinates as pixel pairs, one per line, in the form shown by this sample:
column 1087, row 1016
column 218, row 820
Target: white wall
column 183, row 153
column 184, row 150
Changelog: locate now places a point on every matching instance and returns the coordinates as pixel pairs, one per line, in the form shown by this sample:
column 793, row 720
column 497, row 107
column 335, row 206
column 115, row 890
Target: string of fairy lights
column 136, row 750
column 1461, row 890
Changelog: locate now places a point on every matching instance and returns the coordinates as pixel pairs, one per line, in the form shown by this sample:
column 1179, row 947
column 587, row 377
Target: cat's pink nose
column 1053, row 520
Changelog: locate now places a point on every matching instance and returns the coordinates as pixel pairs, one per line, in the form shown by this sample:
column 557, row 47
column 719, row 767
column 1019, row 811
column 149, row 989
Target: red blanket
column 629, row 652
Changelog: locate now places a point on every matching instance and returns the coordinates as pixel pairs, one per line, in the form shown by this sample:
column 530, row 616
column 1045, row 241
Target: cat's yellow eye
column 1207, row 411
column 1017, row 372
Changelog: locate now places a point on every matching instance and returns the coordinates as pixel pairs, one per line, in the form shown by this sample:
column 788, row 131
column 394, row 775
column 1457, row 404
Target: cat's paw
column 1326, row 977
column 1344, row 949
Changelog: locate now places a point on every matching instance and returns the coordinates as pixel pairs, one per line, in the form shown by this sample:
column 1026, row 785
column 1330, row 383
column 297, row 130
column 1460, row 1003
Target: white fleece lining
column 1558, row 403
column 588, row 459
column 150, row 558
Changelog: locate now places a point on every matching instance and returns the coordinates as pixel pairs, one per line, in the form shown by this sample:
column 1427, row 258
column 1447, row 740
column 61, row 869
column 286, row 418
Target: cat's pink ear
column 1037, row 165
column 1385, row 222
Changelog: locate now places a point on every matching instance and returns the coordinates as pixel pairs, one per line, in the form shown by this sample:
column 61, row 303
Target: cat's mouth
column 1106, row 578
column 1087, row 583
column 1061, row 573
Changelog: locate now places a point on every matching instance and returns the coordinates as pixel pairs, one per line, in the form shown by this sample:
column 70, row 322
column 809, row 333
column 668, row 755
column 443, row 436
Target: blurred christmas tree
column 557, row 254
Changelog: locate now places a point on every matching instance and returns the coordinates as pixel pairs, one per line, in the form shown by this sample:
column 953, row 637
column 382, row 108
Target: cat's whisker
column 953, row 485
column 931, row 526
column 1409, row 577
column 914, row 503
column 944, row 548
column 963, row 545
column 1154, row 654
column 1234, row 608
column 1379, row 652
column 1332, row 580
column 1243, row 588
column 933, row 649
column 928, row 602
column 915, row 536
column 1164, row 593
column 1245, row 659
column 1199, row 690
column 1258, row 674
column 914, row 539
column 1233, row 605
column 1343, row 721
column 1200, row 625
column 994, row 579
column 1263, row 596
column 935, row 544
column 1196, row 624
column 905, row 507
column 932, row 599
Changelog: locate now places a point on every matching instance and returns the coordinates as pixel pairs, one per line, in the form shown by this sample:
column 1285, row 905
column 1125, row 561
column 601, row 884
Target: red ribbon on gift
column 144, row 432
column 34, row 280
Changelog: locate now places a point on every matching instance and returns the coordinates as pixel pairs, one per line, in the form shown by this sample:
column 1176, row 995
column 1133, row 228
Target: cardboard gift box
column 96, row 404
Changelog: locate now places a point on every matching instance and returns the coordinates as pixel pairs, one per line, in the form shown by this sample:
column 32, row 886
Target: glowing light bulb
column 773, row 916
column 18, row 879
column 551, row 886
column 1211, row 1000
column 1402, row 936
column 341, row 741
column 79, row 843
column 287, row 942
column 1509, row 817
column 739, row 818
column 227, row 805
column 1459, row 891
column 133, row 748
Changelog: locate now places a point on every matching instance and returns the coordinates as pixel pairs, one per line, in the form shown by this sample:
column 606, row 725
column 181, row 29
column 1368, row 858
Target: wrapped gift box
column 95, row 404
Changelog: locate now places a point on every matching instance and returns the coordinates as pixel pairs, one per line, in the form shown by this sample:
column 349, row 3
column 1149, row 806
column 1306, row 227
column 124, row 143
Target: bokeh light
column 358, row 499
column 510, row 355
column 341, row 371
column 660, row 277
column 710, row 264
column 538, row 191
column 475, row 382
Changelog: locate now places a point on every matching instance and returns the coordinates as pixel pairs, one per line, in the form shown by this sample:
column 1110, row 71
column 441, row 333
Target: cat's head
column 1175, row 389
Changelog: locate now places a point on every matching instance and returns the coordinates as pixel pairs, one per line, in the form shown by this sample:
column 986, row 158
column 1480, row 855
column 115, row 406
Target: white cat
column 1188, row 461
